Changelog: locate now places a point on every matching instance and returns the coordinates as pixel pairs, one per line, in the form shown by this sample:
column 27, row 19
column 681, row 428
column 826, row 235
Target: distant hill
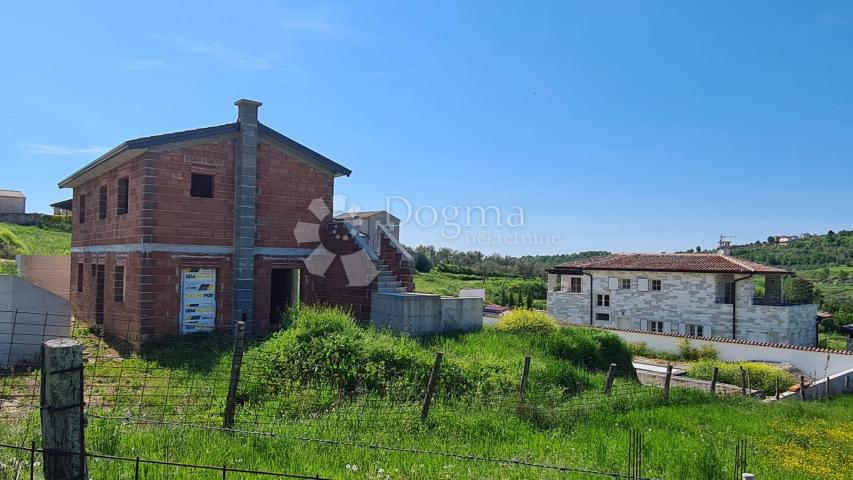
column 809, row 253
column 41, row 240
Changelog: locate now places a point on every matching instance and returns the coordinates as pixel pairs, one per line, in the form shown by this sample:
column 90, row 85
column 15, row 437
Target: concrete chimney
column 245, row 226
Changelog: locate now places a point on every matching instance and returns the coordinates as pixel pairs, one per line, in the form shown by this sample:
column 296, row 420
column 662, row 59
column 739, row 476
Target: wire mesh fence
column 176, row 381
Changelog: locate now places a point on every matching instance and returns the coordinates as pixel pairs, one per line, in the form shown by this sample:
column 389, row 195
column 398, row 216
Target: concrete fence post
column 714, row 380
column 62, row 418
column 236, row 366
column 748, row 476
column 742, row 380
column 430, row 391
column 667, row 382
column 611, row 374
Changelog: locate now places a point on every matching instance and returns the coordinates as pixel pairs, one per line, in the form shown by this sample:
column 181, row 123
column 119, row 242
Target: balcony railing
column 774, row 303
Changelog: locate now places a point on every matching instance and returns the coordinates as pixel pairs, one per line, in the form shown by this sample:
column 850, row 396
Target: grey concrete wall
column 425, row 314
column 684, row 298
column 21, row 218
column 836, row 384
column 28, row 315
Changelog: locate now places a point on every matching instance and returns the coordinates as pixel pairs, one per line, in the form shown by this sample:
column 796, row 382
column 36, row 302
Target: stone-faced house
column 12, row 201
column 701, row 295
column 187, row 231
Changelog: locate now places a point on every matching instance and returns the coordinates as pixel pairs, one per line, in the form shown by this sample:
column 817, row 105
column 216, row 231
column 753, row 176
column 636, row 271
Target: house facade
column 12, row 201
column 189, row 231
column 700, row 295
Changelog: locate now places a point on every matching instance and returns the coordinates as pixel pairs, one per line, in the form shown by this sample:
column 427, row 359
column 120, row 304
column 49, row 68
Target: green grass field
column 41, row 241
column 476, row 413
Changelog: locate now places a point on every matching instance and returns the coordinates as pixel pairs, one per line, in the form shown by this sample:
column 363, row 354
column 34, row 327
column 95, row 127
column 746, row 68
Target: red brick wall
column 286, row 187
column 404, row 270
column 177, row 217
column 119, row 317
column 115, row 228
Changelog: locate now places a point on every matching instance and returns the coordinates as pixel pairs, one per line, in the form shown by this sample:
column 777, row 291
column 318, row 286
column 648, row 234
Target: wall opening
column 283, row 293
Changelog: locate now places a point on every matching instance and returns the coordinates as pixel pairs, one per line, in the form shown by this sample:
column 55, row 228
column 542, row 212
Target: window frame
column 194, row 192
column 602, row 300
column 652, row 284
column 697, row 330
column 572, row 285
column 653, row 323
column 622, row 284
column 602, row 317
column 558, row 286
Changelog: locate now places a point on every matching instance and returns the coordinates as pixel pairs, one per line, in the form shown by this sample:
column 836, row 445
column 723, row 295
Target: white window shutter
column 706, row 331
column 613, row 283
column 682, row 329
column 643, row 284
column 667, row 327
column 644, row 325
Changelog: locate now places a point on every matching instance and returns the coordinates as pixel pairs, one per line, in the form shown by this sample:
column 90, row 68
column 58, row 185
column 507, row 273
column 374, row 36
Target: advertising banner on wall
column 198, row 300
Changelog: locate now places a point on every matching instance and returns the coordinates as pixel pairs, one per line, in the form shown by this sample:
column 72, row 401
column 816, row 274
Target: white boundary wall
column 815, row 362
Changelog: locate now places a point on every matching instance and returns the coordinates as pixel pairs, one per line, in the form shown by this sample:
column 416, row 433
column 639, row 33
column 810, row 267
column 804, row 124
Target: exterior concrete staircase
column 387, row 282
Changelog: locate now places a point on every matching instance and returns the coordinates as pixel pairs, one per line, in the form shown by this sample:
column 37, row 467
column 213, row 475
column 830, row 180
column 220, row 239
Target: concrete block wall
column 425, row 314
column 13, row 204
column 402, row 267
column 51, row 272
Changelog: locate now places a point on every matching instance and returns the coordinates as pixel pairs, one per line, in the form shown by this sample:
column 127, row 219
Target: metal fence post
column 433, row 380
column 524, row 374
column 666, row 381
column 611, row 373
column 236, row 365
column 62, row 418
column 714, row 380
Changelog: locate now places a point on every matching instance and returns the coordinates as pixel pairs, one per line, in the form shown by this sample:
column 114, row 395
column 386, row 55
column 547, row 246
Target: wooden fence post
column 611, row 373
column 742, row 381
column 827, row 388
column 62, row 418
column 236, row 365
column 777, row 389
column 433, row 379
column 667, row 381
column 802, row 387
column 524, row 374
column 714, row 380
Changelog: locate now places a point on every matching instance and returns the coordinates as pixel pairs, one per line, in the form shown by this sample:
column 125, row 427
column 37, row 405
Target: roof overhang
column 559, row 269
column 105, row 162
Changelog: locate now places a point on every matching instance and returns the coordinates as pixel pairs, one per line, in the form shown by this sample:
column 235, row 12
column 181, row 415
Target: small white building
column 701, row 295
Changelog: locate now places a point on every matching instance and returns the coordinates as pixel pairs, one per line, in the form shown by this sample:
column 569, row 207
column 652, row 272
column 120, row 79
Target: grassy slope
column 446, row 283
column 688, row 437
column 41, row 241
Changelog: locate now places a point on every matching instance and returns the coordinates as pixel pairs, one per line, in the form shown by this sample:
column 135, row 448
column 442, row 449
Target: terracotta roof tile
column 671, row 262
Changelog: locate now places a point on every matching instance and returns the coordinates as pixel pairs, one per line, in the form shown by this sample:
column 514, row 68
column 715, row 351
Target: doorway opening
column 100, row 274
column 284, row 293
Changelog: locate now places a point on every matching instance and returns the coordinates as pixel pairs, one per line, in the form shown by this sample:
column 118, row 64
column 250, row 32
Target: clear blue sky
column 625, row 126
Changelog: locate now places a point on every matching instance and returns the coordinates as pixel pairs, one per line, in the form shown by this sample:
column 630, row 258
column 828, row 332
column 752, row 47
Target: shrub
column 686, row 351
column 527, row 321
column 762, row 376
column 56, row 222
column 422, row 263
column 9, row 244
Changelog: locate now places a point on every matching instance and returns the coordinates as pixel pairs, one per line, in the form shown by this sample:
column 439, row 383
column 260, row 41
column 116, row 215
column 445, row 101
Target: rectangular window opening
column 624, row 283
column 656, row 285
column 575, row 286
column 201, row 185
column 102, row 202
column 695, row 330
column 603, row 300
column 656, row 326
column 122, row 196
column 82, row 209
column 118, row 284
column 602, row 317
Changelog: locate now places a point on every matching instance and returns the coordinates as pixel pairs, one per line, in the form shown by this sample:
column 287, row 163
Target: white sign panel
column 198, row 300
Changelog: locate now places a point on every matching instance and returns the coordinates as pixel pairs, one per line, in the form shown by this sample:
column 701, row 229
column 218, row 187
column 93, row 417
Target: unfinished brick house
column 188, row 231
